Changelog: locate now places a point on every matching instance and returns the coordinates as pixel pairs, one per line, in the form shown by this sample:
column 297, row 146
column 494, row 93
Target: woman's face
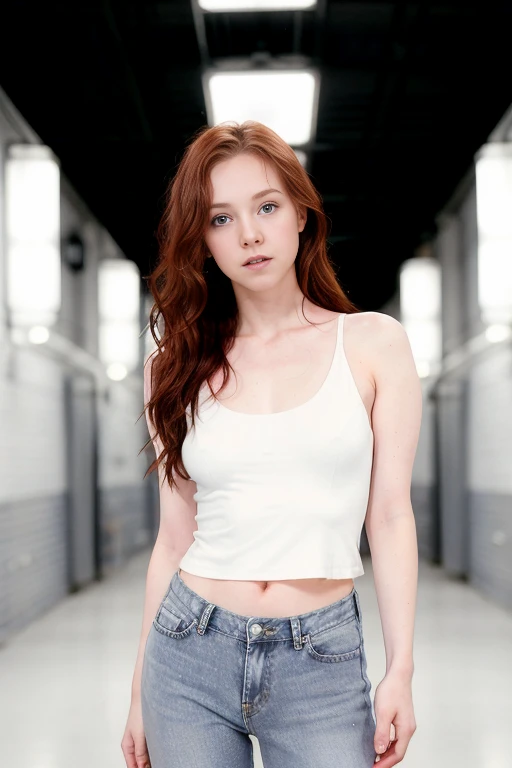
column 252, row 216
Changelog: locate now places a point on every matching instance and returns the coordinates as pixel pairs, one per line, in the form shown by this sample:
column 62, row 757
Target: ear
column 302, row 216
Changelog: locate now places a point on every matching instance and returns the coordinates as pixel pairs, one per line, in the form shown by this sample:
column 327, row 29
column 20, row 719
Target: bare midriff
column 287, row 597
column 273, row 599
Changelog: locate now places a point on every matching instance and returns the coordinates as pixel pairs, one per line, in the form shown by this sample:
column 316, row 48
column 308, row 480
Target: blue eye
column 265, row 205
column 220, row 216
column 216, row 221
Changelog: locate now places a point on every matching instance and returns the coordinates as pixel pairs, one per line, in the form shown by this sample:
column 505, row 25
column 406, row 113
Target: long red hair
column 195, row 316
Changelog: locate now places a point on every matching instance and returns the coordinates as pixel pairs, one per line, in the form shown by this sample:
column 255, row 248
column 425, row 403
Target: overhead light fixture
column 420, row 311
column 38, row 334
column 256, row 5
column 32, row 200
column 119, row 316
column 494, row 219
column 285, row 101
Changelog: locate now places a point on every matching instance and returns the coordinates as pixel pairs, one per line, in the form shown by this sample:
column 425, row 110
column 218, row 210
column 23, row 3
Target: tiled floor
column 65, row 680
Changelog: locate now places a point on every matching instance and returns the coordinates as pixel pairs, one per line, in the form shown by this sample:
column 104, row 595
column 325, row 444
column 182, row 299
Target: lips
column 255, row 258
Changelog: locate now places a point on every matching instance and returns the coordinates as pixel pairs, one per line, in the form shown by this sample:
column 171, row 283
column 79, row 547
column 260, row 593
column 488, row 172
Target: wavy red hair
column 197, row 307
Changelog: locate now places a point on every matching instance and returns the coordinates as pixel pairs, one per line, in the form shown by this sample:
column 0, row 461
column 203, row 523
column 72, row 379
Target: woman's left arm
column 391, row 529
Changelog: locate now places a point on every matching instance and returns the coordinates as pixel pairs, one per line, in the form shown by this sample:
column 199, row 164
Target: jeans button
column 256, row 629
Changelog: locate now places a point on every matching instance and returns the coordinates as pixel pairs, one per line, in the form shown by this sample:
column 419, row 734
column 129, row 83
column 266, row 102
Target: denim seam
column 367, row 684
column 187, row 607
column 265, row 691
column 332, row 657
column 364, row 675
column 353, row 617
column 163, row 607
column 171, row 633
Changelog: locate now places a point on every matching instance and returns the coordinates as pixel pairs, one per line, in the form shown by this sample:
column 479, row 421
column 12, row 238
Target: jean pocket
column 339, row 643
column 172, row 620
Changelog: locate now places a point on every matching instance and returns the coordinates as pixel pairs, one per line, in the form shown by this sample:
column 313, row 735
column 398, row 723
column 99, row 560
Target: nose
column 250, row 234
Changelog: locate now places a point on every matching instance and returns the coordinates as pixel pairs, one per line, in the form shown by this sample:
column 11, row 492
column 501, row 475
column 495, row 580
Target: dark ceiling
column 409, row 91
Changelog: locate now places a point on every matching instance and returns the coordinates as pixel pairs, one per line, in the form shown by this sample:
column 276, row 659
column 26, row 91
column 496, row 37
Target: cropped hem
column 228, row 574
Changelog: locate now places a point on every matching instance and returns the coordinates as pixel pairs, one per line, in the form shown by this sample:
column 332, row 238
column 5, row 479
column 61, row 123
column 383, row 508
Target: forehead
column 244, row 174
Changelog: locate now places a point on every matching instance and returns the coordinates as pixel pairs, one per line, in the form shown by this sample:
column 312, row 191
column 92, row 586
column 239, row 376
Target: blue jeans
column 298, row 684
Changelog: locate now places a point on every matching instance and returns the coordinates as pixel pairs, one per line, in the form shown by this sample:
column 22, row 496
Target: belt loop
column 205, row 618
column 296, row 632
column 357, row 605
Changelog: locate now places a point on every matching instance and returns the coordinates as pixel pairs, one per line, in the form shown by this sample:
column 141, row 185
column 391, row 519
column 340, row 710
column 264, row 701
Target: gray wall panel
column 124, row 524
column 490, row 545
column 33, row 559
column 422, row 498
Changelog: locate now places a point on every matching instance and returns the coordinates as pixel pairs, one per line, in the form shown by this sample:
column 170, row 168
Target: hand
column 395, row 718
column 133, row 744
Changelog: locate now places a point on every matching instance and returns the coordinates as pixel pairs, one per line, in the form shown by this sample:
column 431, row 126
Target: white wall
column 36, row 558
column 478, row 537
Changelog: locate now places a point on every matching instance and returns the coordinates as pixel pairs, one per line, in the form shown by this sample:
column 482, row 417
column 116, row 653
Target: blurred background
column 401, row 112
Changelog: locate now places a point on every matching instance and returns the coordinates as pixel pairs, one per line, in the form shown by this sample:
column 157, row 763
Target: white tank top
column 282, row 495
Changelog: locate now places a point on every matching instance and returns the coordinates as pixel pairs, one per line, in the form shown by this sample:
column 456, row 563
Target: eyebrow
column 263, row 193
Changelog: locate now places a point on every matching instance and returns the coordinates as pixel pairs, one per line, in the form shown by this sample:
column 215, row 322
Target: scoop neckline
column 311, row 399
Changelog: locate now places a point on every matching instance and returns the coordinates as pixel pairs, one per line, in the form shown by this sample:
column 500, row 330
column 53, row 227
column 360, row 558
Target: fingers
column 135, row 755
column 384, row 734
column 142, row 757
column 397, row 747
column 128, row 749
column 389, row 757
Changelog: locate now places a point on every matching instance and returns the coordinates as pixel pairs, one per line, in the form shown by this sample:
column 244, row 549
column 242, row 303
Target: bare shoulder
column 371, row 324
column 376, row 334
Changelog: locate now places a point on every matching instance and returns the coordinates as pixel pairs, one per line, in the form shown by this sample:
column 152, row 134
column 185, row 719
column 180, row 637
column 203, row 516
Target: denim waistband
column 189, row 606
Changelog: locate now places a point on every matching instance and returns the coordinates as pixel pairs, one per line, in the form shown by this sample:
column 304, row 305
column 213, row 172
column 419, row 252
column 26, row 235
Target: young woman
column 282, row 419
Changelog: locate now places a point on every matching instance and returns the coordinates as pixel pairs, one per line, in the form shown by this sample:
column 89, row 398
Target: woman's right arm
column 175, row 535
column 162, row 565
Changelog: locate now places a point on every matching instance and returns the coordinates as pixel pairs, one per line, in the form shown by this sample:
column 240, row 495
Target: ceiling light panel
column 256, row 5
column 284, row 101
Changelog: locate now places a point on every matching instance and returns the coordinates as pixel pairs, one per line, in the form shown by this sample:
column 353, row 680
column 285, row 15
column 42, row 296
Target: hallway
column 52, row 672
